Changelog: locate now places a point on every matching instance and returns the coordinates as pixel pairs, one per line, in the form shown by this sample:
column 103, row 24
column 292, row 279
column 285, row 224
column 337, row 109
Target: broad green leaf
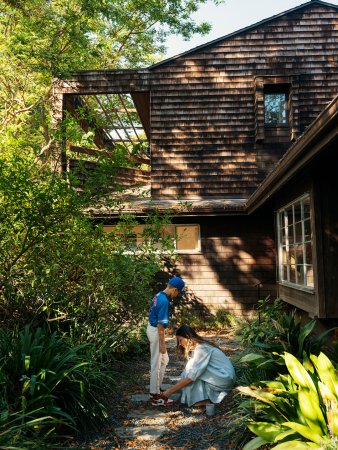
column 252, row 358
column 259, row 395
column 304, row 332
column 297, row 371
column 310, row 408
column 304, row 431
column 255, row 443
column 326, row 393
column 332, row 416
column 266, row 430
column 291, row 434
column 297, row 445
column 326, row 372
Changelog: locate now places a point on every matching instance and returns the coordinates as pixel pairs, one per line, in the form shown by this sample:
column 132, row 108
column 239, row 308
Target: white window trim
column 308, row 289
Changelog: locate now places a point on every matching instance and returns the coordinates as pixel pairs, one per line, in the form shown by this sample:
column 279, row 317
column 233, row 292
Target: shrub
column 298, row 410
column 259, row 329
column 44, row 379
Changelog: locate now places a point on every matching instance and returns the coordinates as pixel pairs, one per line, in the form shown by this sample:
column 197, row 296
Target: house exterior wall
column 234, row 268
column 205, row 117
column 319, row 179
column 327, row 187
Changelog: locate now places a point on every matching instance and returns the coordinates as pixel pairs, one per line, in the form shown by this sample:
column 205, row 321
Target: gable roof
column 244, row 30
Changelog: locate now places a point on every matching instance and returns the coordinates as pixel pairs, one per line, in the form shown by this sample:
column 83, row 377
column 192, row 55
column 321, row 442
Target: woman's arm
column 177, row 387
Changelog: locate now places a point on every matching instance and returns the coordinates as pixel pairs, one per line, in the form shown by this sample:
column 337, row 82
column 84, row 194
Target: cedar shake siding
column 217, row 144
column 207, row 120
column 234, row 268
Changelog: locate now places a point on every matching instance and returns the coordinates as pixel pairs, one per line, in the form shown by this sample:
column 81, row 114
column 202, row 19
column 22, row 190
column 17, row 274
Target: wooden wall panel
column 327, row 182
column 203, row 103
column 231, row 264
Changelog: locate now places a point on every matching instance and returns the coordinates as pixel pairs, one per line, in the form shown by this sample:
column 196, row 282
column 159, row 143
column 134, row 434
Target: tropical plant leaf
column 297, row 371
column 252, row 358
column 266, row 430
column 297, row 445
column 326, row 372
column 305, row 331
column 310, row 408
column 255, row 443
column 265, row 397
column 305, row 431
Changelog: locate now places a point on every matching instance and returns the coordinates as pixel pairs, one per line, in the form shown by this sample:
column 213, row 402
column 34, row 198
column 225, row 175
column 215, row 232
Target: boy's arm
column 161, row 335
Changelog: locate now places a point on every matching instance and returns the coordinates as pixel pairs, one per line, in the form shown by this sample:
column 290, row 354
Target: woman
column 208, row 375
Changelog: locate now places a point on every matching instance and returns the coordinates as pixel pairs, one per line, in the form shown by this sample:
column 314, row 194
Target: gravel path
column 135, row 424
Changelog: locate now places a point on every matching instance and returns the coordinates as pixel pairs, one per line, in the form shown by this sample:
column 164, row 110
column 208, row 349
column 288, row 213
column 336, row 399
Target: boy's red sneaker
column 161, row 400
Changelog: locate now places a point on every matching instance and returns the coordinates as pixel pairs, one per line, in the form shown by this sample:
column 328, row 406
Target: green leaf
column 304, row 431
column 252, row 358
column 266, row 430
column 305, row 331
column 326, row 372
column 297, row 445
column 310, row 408
column 255, row 443
column 298, row 373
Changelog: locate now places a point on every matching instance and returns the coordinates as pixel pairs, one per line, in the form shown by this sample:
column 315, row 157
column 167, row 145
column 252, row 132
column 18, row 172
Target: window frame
column 197, row 250
column 278, row 89
column 291, row 84
column 281, row 215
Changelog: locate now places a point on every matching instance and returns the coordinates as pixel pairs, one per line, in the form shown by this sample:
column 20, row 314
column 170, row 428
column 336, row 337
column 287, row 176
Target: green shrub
column 204, row 320
column 259, row 329
column 298, row 410
column 223, row 320
column 286, row 334
column 42, row 377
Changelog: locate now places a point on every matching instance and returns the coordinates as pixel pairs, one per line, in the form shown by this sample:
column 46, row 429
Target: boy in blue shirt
column 158, row 321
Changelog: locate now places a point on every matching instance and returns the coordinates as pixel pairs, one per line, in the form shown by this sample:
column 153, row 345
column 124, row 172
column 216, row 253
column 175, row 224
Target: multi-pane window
column 295, row 243
column 275, row 108
column 186, row 237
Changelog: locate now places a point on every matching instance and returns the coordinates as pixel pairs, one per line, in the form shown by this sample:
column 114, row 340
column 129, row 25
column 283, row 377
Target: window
column 186, row 236
column 295, row 244
column 275, row 109
column 276, row 105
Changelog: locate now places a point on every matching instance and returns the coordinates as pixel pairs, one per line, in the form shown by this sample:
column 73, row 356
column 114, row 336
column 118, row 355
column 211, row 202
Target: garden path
column 135, row 424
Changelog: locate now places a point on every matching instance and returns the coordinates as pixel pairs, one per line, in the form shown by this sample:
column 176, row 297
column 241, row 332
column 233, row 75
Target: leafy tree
column 56, row 265
column 51, row 38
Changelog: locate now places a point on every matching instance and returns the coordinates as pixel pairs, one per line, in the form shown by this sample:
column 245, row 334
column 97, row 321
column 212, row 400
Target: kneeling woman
column 208, row 376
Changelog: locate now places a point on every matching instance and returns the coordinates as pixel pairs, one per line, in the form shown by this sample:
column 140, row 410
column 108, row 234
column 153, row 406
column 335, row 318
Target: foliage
column 45, row 39
column 289, row 335
column 48, row 385
column 298, row 410
column 259, row 329
column 203, row 319
column 58, row 266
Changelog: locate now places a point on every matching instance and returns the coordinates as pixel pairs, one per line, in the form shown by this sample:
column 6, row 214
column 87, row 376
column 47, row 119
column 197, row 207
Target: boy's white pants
column 158, row 361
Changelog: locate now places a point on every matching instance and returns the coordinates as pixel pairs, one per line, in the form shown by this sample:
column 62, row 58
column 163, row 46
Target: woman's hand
column 177, row 387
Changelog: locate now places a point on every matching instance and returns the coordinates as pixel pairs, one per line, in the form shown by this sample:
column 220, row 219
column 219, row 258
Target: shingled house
column 244, row 129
